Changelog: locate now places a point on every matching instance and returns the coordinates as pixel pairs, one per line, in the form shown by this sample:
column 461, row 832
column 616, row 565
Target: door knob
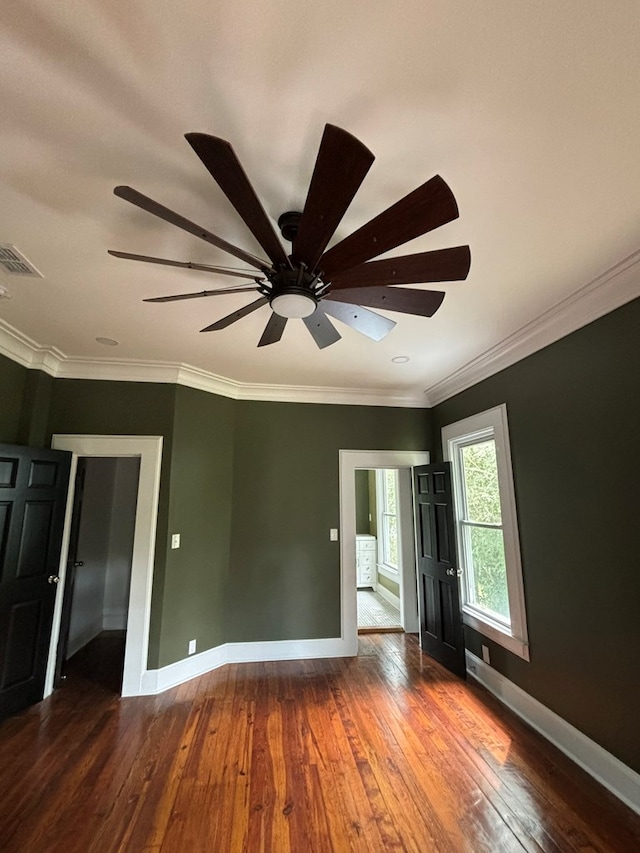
column 53, row 579
column 455, row 572
column 78, row 563
column 451, row 572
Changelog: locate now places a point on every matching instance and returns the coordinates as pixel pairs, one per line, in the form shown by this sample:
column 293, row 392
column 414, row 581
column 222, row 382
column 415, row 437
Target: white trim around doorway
column 149, row 449
column 351, row 461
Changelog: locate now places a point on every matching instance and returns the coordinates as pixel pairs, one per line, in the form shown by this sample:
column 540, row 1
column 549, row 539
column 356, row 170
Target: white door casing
column 149, row 450
column 350, row 461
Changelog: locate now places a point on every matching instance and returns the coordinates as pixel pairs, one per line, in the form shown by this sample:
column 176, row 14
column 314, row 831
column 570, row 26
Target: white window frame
column 481, row 427
column 385, row 569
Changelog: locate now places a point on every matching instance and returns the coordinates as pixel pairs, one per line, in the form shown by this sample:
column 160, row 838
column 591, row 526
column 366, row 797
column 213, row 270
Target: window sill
column 497, row 633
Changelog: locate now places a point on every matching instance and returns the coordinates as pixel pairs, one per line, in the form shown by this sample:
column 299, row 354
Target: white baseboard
column 621, row 780
column 156, row 680
column 389, row 596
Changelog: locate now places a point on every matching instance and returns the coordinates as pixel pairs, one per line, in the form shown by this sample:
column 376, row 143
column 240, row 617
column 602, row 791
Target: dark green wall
column 252, row 488
column 284, row 576
column 362, row 502
column 392, row 586
column 195, row 489
column 12, row 381
column 200, row 511
column 36, row 405
column 574, row 424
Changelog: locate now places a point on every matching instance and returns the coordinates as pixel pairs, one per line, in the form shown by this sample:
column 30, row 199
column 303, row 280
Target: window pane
column 390, row 478
column 487, row 585
column 391, row 541
column 480, row 473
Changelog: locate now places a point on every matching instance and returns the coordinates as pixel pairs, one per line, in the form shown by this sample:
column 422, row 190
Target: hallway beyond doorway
column 100, row 662
column 375, row 613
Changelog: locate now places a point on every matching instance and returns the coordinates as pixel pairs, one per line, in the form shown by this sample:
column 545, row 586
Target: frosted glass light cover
column 293, row 305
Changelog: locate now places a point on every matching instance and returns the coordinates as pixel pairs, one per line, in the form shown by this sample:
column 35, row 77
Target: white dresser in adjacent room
column 365, row 559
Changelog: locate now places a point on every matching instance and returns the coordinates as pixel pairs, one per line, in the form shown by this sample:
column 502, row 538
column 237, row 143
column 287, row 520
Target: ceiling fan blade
column 424, row 303
column 236, row 315
column 424, row 209
column 162, row 212
column 273, row 330
column 220, row 160
column 179, row 296
column 341, row 166
column 368, row 323
column 184, row 264
column 441, row 265
column 322, row 330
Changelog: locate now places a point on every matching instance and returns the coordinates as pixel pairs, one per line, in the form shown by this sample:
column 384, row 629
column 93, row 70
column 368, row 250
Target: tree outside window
column 482, row 529
column 487, row 528
column 387, row 488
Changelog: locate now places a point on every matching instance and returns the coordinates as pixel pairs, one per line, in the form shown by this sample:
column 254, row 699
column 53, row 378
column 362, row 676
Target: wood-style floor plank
column 383, row 752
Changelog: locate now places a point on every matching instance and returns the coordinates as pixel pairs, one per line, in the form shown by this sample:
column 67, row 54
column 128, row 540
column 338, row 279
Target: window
column 486, row 527
column 387, row 497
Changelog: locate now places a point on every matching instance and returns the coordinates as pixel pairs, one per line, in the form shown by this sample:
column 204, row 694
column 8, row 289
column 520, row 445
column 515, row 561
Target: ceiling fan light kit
column 292, row 305
column 311, row 283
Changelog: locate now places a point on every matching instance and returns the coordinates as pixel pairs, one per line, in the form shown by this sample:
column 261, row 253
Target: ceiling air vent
column 15, row 263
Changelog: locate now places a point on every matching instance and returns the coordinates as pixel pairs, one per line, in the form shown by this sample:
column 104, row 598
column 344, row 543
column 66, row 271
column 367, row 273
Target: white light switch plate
column 175, row 540
column 333, row 534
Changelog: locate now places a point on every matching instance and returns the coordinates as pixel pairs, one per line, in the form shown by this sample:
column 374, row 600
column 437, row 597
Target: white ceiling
column 530, row 112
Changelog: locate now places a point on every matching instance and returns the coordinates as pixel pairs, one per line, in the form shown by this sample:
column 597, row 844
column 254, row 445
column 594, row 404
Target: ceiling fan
column 311, row 283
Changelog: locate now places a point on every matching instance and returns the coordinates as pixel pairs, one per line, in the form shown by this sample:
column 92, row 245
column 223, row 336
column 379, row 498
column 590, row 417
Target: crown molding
column 339, row 396
column 603, row 294
column 608, row 291
column 27, row 352
column 23, row 349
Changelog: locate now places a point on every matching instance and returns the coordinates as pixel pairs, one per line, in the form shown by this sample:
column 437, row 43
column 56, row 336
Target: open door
column 33, row 496
column 70, row 577
column 441, row 631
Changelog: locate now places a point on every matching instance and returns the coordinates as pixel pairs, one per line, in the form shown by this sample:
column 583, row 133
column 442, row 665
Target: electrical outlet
column 175, row 540
column 486, row 657
column 333, row 534
column 192, row 647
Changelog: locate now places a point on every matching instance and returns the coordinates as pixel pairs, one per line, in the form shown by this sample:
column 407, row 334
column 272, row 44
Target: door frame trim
column 350, row 461
column 149, row 449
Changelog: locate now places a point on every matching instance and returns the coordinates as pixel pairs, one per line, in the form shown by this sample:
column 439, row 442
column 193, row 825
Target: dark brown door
column 441, row 632
column 33, row 496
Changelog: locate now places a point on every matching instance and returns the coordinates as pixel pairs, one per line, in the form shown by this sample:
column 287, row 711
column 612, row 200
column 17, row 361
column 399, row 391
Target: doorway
column 148, row 450
column 96, row 594
column 379, row 576
column 352, row 461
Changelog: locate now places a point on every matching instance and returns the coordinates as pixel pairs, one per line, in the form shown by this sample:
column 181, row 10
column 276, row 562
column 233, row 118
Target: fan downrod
column 294, row 292
column 289, row 223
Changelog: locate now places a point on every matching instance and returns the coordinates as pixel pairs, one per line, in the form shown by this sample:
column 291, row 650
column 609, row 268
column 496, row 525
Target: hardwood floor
column 384, row 752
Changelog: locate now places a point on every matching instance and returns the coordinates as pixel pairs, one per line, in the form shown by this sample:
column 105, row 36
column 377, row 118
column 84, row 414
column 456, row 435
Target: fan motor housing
column 298, row 284
column 289, row 223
